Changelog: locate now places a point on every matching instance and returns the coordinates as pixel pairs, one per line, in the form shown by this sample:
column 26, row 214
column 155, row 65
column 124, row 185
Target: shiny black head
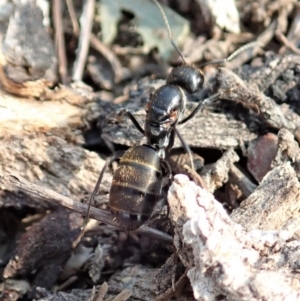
column 188, row 77
column 164, row 109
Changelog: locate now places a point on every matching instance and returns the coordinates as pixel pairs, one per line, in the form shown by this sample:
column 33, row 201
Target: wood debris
column 224, row 258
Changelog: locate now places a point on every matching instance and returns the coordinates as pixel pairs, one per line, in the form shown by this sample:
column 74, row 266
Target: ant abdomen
column 189, row 78
column 136, row 187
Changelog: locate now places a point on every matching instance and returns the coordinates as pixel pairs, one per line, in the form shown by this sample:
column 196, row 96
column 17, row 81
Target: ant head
column 188, row 77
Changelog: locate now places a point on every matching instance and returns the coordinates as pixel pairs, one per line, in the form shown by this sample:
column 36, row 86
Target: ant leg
column 199, row 106
column 168, row 171
column 109, row 160
column 133, row 120
column 186, row 148
column 93, row 194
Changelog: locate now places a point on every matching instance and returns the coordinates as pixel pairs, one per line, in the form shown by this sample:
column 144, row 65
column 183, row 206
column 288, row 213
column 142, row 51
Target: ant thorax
column 164, row 109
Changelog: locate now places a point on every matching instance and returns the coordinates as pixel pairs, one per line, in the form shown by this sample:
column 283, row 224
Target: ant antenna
column 234, row 54
column 169, row 30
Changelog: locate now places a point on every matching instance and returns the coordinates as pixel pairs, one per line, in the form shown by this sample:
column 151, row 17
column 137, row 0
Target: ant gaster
column 137, row 182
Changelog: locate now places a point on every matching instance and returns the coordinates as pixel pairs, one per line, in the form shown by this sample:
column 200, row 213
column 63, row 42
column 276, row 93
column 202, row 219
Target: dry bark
column 215, row 175
column 41, row 142
column 25, row 69
column 224, row 259
column 44, row 248
column 274, row 205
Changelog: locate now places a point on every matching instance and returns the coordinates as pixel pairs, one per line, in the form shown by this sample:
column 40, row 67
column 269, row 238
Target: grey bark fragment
column 274, row 205
column 215, row 175
column 40, row 141
column 233, row 88
column 223, row 258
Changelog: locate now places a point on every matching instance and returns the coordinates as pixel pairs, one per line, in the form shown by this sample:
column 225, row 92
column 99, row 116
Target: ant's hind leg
column 168, row 172
column 109, row 160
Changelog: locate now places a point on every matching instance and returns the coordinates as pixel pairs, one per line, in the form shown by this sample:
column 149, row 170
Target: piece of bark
column 233, row 88
column 138, row 279
column 238, row 178
column 13, row 290
column 74, row 295
column 215, row 175
column 41, row 142
column 288, row 151
column 54, row 163
column 260, row 154
column 274, row 205
column 26, row 72
column 45, row 247
column 266, row 75
column 102, row 292
column 225, row 260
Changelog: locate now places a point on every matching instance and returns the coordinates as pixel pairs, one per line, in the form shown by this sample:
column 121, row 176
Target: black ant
column 137, row 182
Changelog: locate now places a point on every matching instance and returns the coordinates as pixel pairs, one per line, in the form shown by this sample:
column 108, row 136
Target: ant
column 137, row 182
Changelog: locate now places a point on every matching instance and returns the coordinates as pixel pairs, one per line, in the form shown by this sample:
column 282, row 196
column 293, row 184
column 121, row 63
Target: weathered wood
column 224, row 258
column 275, row 203
column 40, row 141
column 25, row 69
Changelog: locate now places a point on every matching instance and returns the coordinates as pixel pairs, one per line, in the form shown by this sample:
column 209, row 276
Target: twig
column 244, row 184
column 66, row 284
column 282, row 38
column 98, row 214
column 86, row 22
column 263, row 39
column 73, row 17
column 60, row 42
column 124, row 295
column 172, row 291
column 102, row 292
column 109, row 55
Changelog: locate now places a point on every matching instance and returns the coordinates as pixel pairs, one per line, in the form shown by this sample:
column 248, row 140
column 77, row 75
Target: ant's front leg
column 133, row 120
column 199, row 106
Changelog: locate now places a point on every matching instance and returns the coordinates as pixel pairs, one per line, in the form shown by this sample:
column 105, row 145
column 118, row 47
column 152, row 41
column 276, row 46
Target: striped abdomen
column 136, row 187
